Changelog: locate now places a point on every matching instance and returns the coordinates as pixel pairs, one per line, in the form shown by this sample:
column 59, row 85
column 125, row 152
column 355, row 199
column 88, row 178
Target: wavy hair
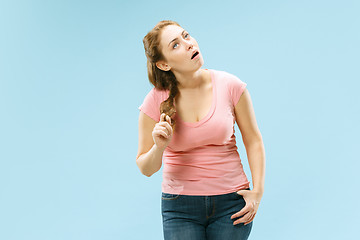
column 162, row 80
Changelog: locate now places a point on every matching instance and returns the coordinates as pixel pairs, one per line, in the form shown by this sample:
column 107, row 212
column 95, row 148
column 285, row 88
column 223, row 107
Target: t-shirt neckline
column 212, row 108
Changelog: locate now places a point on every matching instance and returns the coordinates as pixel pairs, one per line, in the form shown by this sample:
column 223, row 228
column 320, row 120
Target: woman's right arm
column 153, row 139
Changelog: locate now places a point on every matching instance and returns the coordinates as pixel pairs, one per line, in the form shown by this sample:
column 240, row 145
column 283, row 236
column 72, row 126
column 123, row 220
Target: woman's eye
column 175, row 45
column 187, row 35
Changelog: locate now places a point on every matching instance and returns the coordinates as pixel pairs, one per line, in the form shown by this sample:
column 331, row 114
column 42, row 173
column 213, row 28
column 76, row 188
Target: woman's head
column 169, row 49
column 178, row 49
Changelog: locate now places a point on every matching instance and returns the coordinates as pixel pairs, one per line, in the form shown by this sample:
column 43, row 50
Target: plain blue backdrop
column 73, row 73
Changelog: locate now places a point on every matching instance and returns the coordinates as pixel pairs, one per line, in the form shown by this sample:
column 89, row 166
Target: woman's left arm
column 245, row 119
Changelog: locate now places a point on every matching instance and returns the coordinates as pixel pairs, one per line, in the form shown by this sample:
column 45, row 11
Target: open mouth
column 194, row 55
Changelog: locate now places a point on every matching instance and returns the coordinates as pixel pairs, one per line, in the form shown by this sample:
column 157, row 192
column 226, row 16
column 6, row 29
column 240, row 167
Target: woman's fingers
column 167, row 125
column 246, row 218
column 245, row 215
column 243, row 211
column 163, row 117
column 166, row 131
column 160, row 132
column 251, row 219
column 164, row 128
column 168, row 119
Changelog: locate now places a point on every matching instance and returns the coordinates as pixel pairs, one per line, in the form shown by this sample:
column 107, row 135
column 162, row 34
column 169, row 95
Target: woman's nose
column 190, row 45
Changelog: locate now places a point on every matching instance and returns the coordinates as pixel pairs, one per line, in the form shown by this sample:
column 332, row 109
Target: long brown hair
column 162, row 80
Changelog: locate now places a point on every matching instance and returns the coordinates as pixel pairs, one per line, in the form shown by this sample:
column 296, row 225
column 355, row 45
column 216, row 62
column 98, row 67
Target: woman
column 187, row 122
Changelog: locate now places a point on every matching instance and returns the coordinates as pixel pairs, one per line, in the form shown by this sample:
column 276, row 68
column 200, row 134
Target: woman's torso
column 202, row 157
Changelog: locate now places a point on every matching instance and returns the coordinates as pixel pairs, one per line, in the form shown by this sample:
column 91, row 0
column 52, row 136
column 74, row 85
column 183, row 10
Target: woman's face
column 178, row 48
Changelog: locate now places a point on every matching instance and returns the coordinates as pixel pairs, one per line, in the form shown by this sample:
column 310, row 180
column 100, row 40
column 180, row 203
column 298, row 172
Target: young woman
column 186, row 124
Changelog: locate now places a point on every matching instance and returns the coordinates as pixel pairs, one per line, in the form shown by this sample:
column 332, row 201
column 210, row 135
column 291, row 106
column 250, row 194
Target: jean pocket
column 238, row 195
column 169, row 196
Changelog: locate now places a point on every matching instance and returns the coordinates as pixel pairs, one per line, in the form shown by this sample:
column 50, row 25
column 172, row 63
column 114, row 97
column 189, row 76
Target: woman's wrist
column 258, row 190
column 159, row 149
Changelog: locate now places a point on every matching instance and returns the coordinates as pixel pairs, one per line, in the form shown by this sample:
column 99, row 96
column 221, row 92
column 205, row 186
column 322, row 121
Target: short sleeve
column 151, row 106
column 236, row 88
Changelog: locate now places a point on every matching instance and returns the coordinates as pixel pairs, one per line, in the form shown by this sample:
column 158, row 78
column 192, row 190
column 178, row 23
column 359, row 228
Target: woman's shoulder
column 222, row 73
column 158, row 94
column 225, row 77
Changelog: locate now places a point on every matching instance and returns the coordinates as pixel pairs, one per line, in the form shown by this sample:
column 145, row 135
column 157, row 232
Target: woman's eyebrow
column 176, row 38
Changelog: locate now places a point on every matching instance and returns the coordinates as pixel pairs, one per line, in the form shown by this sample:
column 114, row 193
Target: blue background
column 73, row 73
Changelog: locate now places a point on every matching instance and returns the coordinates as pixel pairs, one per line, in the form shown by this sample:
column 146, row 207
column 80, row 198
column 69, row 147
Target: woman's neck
column 191, row 80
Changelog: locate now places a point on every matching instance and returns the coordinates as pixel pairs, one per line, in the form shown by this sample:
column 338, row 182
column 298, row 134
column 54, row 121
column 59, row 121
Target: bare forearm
column 150, row 162
column 256, row 157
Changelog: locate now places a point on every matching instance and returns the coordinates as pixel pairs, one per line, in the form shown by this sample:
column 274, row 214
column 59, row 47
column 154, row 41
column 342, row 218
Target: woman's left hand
column 252, row 199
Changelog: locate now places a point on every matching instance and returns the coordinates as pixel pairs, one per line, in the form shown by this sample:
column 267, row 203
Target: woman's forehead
column 170, row 32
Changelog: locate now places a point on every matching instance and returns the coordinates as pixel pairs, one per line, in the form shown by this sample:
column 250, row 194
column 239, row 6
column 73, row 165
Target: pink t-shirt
column 202, row 157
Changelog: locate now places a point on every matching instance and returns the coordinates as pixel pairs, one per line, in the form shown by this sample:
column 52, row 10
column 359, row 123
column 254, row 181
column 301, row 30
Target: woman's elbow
column 143, row 170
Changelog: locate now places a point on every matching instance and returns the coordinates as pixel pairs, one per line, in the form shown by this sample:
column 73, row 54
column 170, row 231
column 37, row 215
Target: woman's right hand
column 162, row 132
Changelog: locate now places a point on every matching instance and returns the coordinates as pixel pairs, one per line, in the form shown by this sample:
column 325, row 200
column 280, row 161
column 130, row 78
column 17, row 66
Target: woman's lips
column 197, row 56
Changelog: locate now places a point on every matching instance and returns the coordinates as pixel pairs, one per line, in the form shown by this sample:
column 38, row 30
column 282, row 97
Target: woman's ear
column 163, row 66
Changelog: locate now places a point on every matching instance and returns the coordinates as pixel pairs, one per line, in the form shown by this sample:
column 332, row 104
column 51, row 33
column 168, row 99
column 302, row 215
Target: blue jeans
column 203, row 217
